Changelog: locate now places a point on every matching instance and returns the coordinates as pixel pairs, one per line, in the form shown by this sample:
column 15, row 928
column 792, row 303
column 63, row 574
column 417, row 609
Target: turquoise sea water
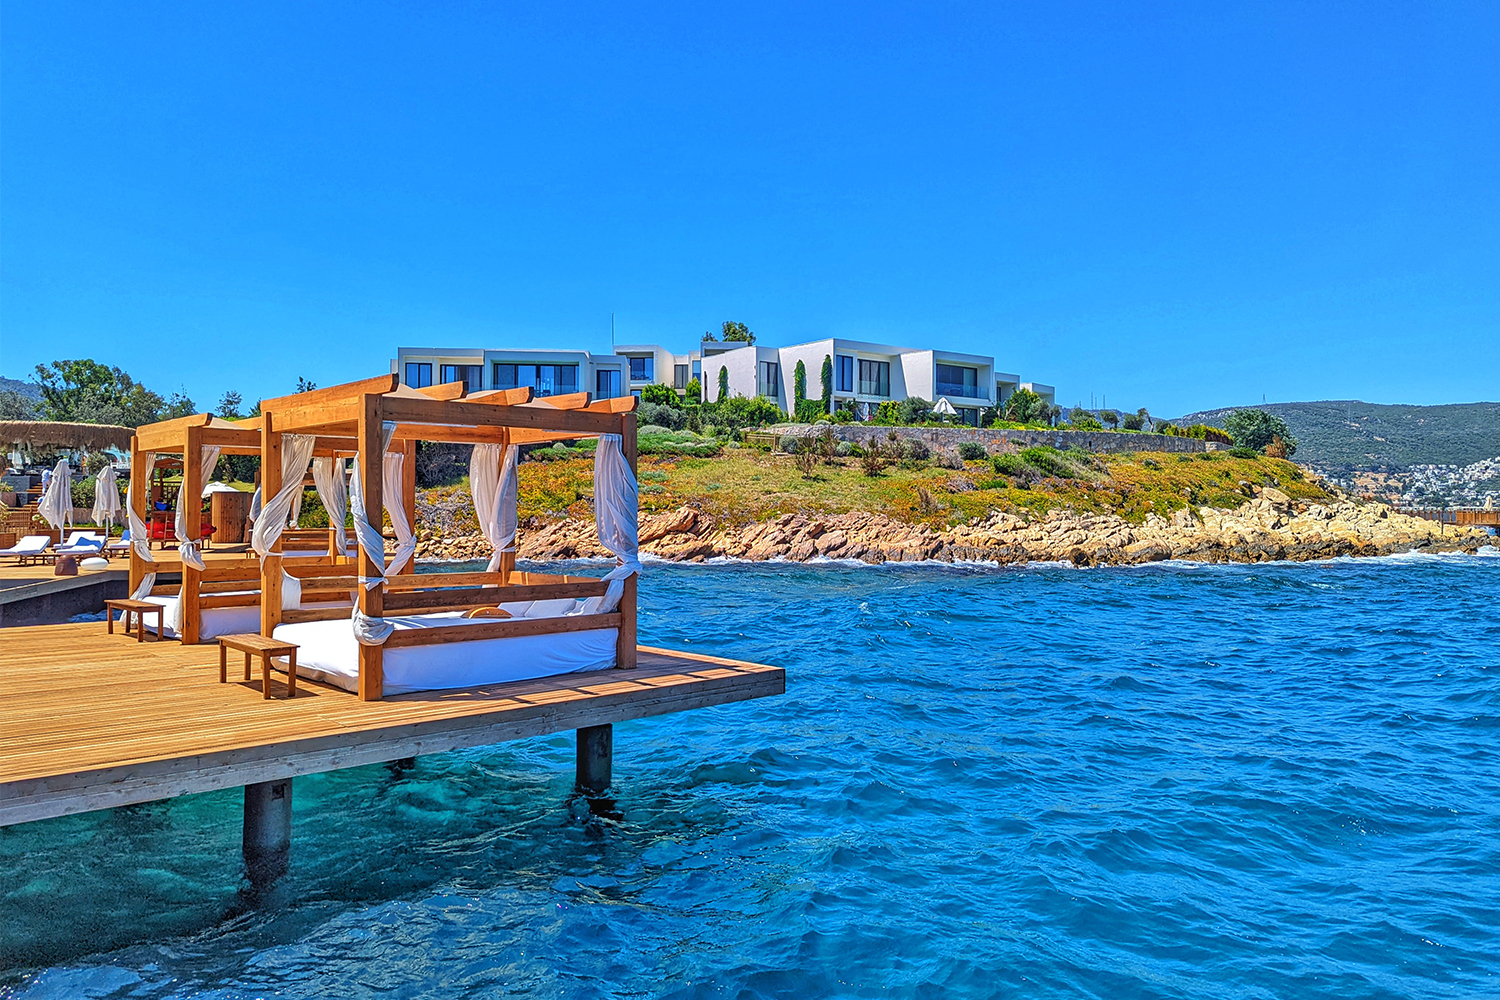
column 1166, row 781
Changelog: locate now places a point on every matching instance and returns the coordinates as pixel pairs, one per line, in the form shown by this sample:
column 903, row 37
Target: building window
column 698, row 370
column 471, row 375
column 953, row 380
column 607, row 382
column 969, row 415
column 874, row 378
column 843, row 373
column 770, row 380
column 641, row 369
column 543, row 380
column 679, row 376
column 418, row 374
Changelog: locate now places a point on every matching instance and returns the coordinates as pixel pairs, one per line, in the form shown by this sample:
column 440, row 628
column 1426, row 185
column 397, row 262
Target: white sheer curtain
column 140, row 537
column 492, row 479
column 392, row 492
column 106, row 498
column 333, row 490
column 187, row 549
column 56, row 507
column 372, row 631
column 296, row 452
column 616, row 503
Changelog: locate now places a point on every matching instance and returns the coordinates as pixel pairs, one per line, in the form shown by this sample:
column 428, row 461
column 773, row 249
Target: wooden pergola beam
column 348, row 392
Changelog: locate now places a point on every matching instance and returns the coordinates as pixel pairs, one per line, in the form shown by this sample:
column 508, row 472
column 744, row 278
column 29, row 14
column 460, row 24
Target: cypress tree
column 799, row 383
column 723, row 383
column 827, row 377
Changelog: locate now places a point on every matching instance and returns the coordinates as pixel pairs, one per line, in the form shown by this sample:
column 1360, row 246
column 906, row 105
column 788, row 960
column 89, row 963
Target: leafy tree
column 723, row 383
column 734, row 415
column 799, row 384
column 1132, row 421
column 1026, row 407
column 229, row 405
column 14, row 406
column 305, row 385
column 1110, row 417
column 692, row 393
column 915, row 410
column 1054, row 414
column 826, row 377
column 1078, row 413
column 710, row 335
column 661, row 395
column 1257, row 429
column 1145, row 416
column 85, row 391
column 737, row 331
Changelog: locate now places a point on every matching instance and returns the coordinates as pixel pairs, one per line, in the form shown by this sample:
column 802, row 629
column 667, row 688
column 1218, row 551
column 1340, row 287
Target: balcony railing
column 872, row 388
column 958, row 389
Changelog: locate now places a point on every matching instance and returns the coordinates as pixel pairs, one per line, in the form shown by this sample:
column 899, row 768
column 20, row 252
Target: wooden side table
column 251, row 643
column 138, row 608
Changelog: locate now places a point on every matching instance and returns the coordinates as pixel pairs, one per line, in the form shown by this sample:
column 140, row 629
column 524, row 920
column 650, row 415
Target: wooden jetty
column 1475, row 517
column 91, row 721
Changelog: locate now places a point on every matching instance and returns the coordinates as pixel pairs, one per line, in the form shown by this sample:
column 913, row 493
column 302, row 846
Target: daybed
column 32, row 548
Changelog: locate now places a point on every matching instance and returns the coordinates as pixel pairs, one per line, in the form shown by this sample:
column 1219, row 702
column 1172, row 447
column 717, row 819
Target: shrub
column 888, row 414
column 807, row 457
column 809, row 411
column 1277, row 448
column 874, row 460
column 692, row 393
column 1048, row 461
column 950, row 460
column 734, row 415
column 789, row 444
column 971, row 451
column 1239, row 452
column 1151, row 463
column 843, row 449
column 661, row 395
column 915, row 449
column 1008, row 464
column 1257, row 429
column 1087, row 423
column 660, row 415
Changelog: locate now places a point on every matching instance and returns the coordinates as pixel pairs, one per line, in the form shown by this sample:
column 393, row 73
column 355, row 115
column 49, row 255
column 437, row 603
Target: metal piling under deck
column 92, row 721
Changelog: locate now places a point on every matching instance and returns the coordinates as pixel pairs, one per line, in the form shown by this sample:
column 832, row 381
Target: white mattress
column 328, row 652
column 214, row 622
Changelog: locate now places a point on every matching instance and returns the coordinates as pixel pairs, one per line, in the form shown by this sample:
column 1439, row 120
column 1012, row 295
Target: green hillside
column 28, row 389
column 1339, row 432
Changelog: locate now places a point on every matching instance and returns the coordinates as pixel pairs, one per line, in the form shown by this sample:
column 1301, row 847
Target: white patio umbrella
column 216, row 487
column 106, row 498
column 944, row 407
column 57, row 503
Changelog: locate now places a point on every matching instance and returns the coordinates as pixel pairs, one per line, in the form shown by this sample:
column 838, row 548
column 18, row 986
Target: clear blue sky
column 1176, row 205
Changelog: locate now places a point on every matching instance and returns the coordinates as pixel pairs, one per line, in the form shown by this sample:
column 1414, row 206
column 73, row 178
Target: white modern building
column 548, row 373
column 864, row 374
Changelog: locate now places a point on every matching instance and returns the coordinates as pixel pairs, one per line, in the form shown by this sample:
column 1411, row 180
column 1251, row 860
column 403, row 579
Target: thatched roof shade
column 42, row 434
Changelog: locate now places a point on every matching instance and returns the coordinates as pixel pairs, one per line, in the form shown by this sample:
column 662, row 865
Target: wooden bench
column 251, row 643
column 138, row 608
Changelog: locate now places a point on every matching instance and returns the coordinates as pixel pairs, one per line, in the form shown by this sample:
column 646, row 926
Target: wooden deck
column 91, row 721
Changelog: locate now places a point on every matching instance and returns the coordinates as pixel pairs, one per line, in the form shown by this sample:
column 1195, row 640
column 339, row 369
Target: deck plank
column 89, row 720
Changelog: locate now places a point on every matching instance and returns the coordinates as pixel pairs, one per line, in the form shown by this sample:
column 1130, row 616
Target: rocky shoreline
column 1269, row 527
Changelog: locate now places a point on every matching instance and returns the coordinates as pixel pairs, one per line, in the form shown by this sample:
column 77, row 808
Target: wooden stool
column 138, row 608
column 250, row 643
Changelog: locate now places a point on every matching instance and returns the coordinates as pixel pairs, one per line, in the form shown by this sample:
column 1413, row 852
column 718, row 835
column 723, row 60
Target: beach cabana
column 410, row 632
column 226, row 594
column 30, row 436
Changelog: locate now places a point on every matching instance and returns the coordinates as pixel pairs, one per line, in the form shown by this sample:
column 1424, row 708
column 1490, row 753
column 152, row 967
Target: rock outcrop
column 1270, row 527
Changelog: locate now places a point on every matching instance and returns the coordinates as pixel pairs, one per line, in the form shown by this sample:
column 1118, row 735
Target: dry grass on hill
column 744, row 486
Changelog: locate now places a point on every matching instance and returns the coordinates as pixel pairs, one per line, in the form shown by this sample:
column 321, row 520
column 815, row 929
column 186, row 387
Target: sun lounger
column 32, row 548
column 119, row 546
column 81, row 543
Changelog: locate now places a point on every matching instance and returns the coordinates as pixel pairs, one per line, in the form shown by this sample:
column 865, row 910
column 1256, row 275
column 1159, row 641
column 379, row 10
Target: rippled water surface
column 1216, row 782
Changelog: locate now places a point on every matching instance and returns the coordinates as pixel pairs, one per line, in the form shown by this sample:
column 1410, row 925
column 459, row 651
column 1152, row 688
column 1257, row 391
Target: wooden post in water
column 596, row 746
column 371, row 599
column 268, row 829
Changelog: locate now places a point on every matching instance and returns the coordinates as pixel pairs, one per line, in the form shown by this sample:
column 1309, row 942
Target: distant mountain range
column 28, row 389
column 1352, row 434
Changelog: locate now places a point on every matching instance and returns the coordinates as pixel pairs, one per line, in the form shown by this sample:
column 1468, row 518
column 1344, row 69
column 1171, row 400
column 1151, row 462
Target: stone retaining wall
column 949, row 438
